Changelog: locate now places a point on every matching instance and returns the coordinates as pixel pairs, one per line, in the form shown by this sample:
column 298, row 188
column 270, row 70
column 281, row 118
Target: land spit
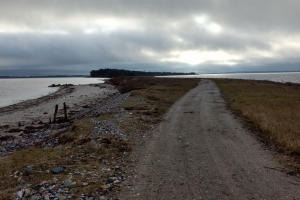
column 202, row 151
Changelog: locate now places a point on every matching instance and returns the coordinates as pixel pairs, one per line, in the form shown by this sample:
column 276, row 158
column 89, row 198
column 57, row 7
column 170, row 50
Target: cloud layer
column 74, row 37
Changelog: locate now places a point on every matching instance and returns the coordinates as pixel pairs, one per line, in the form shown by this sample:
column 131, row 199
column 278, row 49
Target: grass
column 272, row 108
column 81, row 151
column 150, row 99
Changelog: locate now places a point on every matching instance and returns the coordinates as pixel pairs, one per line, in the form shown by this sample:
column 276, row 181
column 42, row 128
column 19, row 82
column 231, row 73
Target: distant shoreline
column 9, row 77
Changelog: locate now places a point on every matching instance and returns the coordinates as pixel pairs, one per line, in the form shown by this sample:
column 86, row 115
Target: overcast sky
column 50, row 37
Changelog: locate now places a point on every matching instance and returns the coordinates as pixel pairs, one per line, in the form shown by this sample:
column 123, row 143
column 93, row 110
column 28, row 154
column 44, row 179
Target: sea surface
column 293, row 77
column 15, row 90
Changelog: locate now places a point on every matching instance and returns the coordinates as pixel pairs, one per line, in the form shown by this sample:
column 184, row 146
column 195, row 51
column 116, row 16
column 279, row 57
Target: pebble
column 85, row 184
column 103, row 198
column 41, row 190
column 57, row 170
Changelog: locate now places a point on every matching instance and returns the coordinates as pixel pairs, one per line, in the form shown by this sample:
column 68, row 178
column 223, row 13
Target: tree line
column 103, row 73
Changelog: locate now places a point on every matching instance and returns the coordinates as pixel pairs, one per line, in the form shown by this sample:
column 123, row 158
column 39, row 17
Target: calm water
column 293, row 77
column 15, row 90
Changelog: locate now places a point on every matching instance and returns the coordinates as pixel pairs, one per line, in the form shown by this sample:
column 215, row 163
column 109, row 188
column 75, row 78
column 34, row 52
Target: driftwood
column 65, row 110
column 55, row 113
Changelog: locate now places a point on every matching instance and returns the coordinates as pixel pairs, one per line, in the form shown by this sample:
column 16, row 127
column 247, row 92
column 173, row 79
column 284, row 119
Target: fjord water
column 15, row 90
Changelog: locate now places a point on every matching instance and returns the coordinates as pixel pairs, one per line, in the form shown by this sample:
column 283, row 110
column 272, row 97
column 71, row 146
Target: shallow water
column 15, row 90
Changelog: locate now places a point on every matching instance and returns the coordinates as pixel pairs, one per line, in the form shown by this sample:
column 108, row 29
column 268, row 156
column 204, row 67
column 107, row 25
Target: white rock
column 84, row 184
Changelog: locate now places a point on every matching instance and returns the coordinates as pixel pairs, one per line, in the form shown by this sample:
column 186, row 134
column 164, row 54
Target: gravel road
column 200, row 151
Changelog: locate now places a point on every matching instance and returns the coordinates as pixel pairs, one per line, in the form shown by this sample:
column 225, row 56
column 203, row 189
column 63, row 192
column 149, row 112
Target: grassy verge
column 272, row 108
column 83, row 154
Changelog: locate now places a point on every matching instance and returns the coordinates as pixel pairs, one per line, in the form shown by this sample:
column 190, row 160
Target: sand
column 41, row 109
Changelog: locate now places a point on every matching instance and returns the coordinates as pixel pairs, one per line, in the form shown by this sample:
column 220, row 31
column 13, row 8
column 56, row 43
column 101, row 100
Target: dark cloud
column 73, row 37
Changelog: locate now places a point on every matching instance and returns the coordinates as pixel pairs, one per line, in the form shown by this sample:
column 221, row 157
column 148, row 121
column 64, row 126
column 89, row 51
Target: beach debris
column 55, row 113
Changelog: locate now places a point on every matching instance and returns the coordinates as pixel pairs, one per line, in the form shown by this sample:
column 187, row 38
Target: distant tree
column 121, row 72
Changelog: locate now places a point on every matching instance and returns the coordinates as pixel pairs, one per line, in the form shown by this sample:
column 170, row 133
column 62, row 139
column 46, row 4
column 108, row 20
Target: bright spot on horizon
column 191, row 57
column 195, row 57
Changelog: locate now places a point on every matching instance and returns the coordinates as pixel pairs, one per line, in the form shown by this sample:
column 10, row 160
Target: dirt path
column 202, row 152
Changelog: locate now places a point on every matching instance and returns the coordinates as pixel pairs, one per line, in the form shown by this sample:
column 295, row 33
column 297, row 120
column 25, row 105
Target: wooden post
column 65, row 109
column 55, row 113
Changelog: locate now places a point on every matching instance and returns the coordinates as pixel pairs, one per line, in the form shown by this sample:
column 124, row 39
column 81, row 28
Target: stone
column 27, row 192
column 85, row 184
column 103, row 198
column 41, row 190
column 35, row 197
column 28, row 168
column 20, row 193
column 57, row 170
column 62, row 197
column 68, row 183
column 46, row 197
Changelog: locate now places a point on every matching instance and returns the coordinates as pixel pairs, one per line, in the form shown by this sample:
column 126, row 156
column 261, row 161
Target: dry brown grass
column 151, row 98
column 272, row 108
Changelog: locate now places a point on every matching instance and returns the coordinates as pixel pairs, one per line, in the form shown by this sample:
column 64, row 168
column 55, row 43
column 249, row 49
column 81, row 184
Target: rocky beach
column 28, row 123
